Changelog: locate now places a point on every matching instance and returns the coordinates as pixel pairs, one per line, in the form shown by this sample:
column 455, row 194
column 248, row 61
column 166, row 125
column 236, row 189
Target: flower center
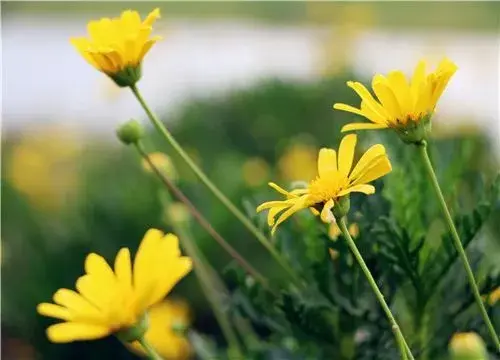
column 323, row 189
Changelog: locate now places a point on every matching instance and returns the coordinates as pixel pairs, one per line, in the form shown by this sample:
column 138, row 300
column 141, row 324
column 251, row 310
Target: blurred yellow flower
column 43, row 166
column 399, row 102
column 117, row 46
column 167, row 320
column 255, row 171
column 109, row 302
column 298, row 163
column 163, row 163
column 467, row 346
column 494, row 296
column 176, row 212
column 334, row 230
column 335, row 180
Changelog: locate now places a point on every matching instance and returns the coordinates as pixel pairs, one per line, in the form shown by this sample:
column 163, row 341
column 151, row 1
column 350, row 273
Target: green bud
column 127, row 77
column 467, row 346
column 415, row 132
column 130, row 132
column 341, row 207
column 135, row 332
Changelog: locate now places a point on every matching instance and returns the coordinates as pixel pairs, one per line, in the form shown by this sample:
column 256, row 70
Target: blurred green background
column 246, row 87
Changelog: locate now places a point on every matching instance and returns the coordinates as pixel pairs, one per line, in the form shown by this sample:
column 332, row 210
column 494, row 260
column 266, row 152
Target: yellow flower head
column 117, row 46
column 336, row 179
column 467, row 346
column 106, row 301
column 401, row 104
column 164, row 319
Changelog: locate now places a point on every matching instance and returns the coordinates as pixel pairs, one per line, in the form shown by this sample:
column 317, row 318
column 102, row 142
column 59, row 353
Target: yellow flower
column 467, row 346
column 255, row 171
column 163, row 163
column 106, row 301
column 164, row 319
column 400, row 104
column 335, row 180
column 494, row 296
column 117, row 46
column 298, row 163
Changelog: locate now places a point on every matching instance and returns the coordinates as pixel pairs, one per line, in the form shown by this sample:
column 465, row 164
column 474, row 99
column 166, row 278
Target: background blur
column 247, row 87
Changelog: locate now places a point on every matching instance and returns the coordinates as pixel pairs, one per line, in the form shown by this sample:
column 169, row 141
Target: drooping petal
column 72, row 331
column 326, row 212
column 346, row 154
column 327, row 162
column 297, row 206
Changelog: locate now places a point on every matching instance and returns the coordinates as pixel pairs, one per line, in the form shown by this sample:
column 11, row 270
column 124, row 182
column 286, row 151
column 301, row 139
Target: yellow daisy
column 164, row 319
column 109, row 302
column 336, row 179
column 401, row 104
column 117, row 46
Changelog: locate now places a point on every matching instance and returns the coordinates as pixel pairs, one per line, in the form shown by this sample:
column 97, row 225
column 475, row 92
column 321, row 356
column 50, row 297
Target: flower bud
column 467, row 346
column 342, row 206
column 415, row 132
column 135, row 332
column 127, row 76
column 130, row 132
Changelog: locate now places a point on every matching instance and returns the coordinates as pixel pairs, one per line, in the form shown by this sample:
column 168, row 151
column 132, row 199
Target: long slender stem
column 401, row 345
column 218, row 194
column 152, row 354
column 200, row 218
column 210, row 287
column 380, row 297
column 458, row 244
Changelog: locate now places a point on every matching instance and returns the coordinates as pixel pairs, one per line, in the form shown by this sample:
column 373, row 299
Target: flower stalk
column 380, row 297
column 211, row 288
column 211, row 186
column 152, row 354
column 422, row 148
column 200, row 218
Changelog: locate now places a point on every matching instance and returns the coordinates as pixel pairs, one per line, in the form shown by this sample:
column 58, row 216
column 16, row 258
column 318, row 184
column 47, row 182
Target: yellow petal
column 386, row 96
column 273, row 212
column 71, row 331
column 376, row 169
column 123, row 270
column 78, row 305
column 326, row 213
column 368, row 157
column 279, row 189
column 445, row 71
column 346, row 154
column 297, row 206
column 83, row 47
column 416, row 80
column 363, row 188
column 52, row 310
column 327, row 162
column 145, row 254
column 367, row 98
column 146, row 47
column 273, row 204
column 152, row 17
column 362, row 126
column 170, row 275
column 401, row 89
column 97, row 266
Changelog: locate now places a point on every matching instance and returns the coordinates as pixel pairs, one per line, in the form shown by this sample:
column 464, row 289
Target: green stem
column 200, row 218
column 456, row 241
column 380, row 297
column 401, row 345
column 152, row 354
column 210, row 287
column 211, row 186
